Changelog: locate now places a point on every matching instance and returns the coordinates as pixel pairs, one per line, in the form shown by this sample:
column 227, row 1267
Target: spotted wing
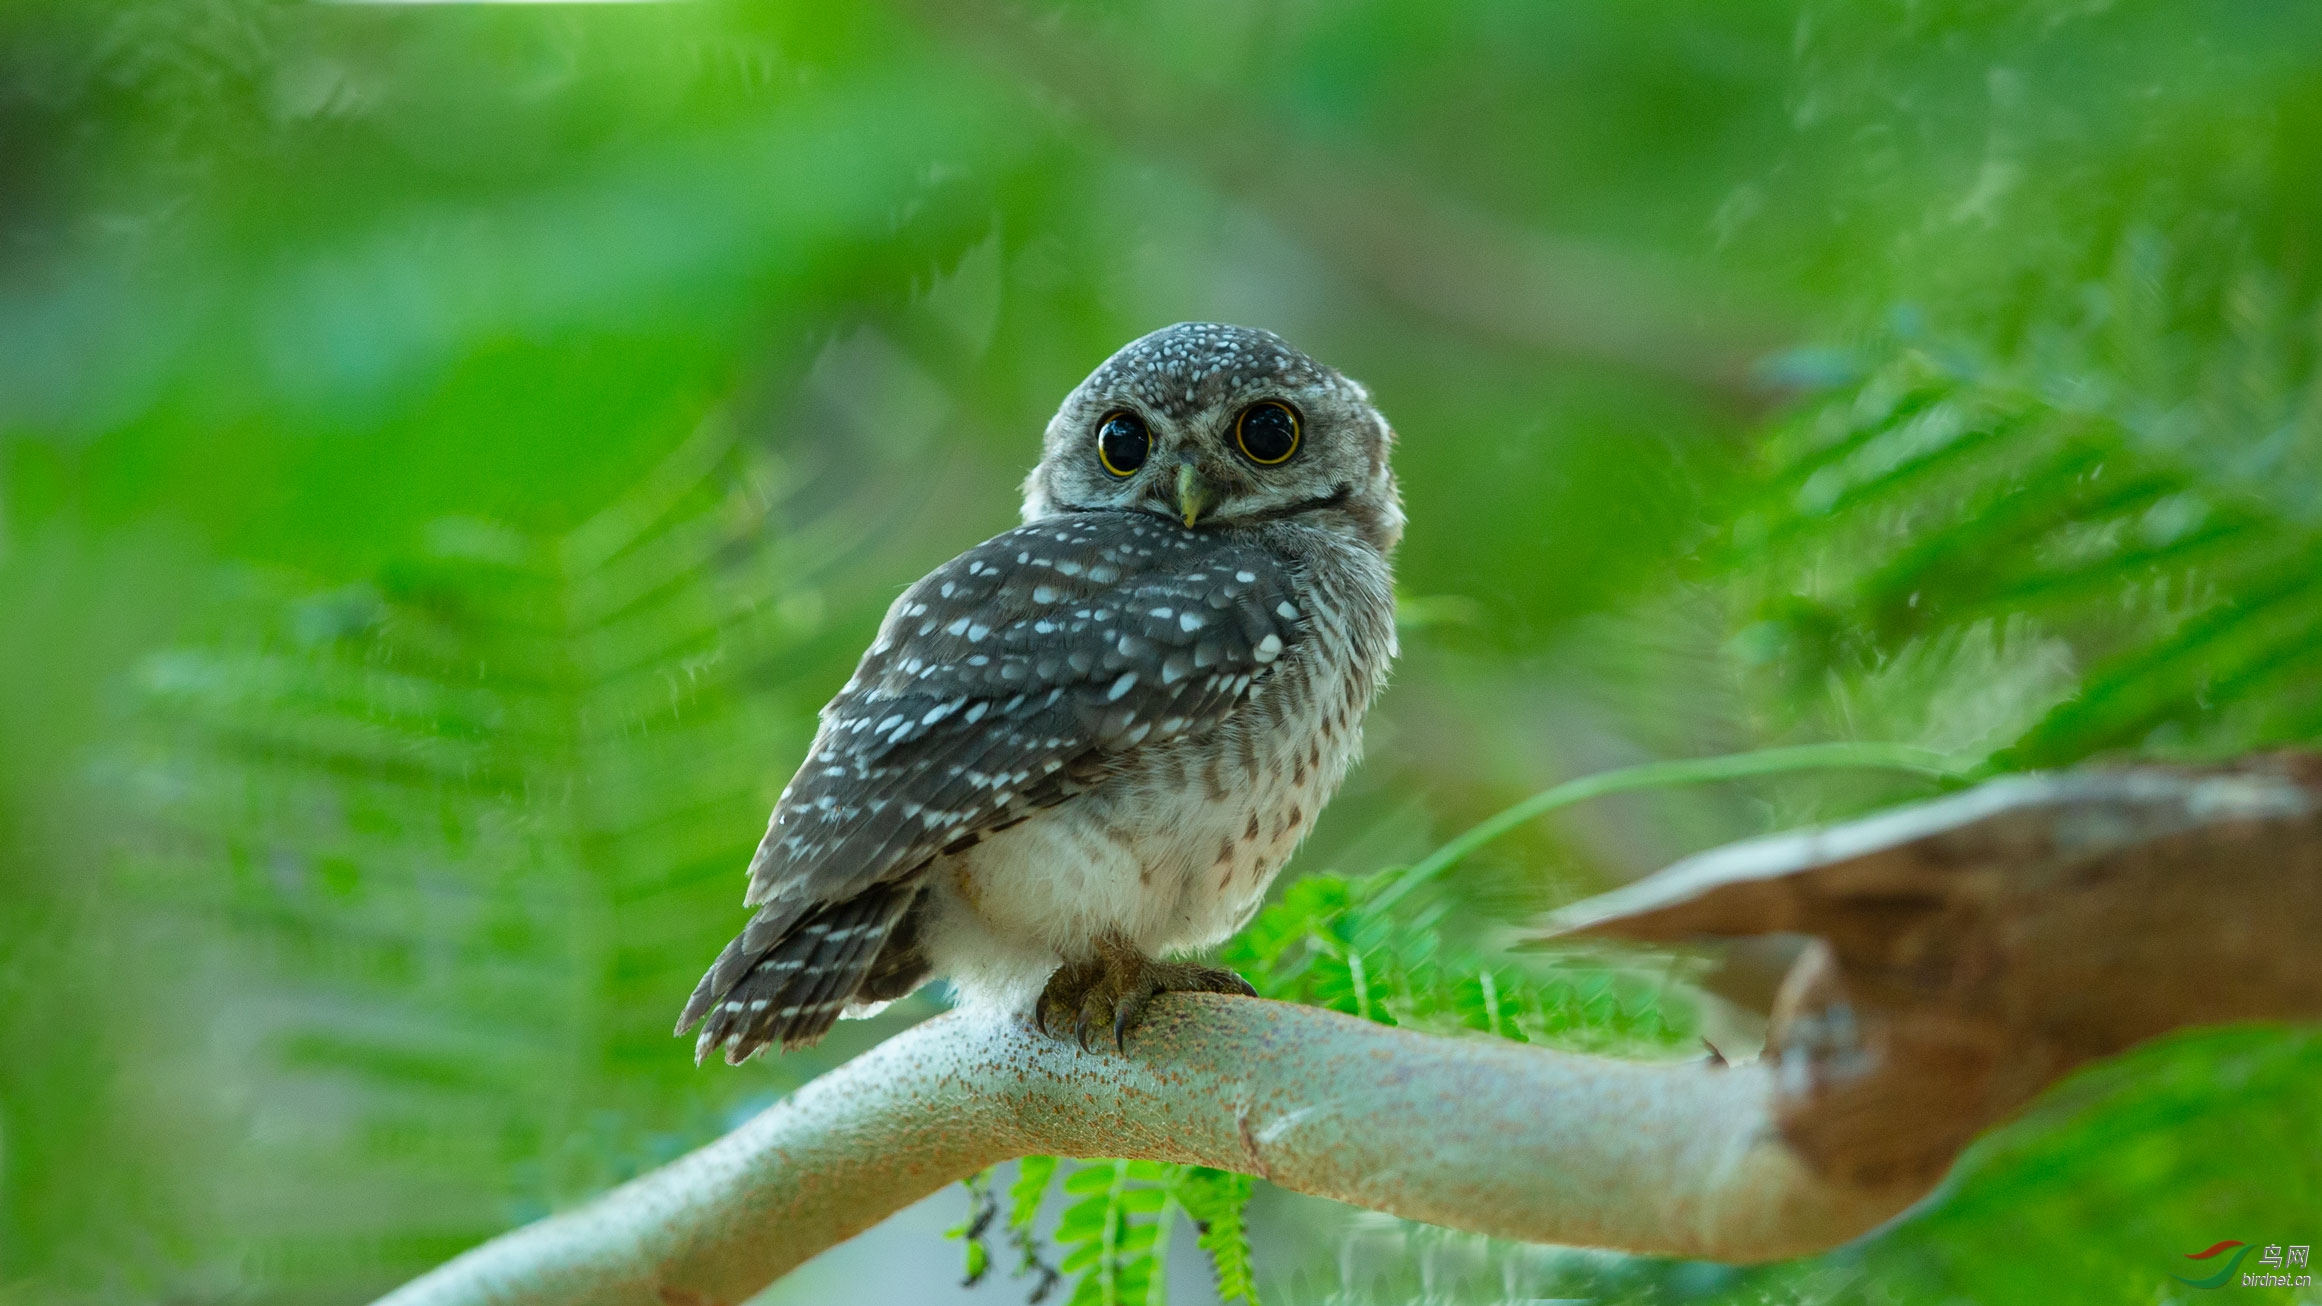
column 1015, row 676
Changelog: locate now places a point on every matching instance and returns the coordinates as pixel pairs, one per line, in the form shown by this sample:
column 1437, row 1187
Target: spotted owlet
column 1090, row 742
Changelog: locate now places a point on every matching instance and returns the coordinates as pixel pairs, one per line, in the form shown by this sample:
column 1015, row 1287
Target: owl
column 1085, row 746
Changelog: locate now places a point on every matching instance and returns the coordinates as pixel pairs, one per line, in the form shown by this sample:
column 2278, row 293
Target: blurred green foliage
column 448, row 452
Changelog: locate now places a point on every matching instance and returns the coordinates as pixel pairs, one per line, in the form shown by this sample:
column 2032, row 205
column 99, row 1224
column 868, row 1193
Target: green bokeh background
column 447, row 453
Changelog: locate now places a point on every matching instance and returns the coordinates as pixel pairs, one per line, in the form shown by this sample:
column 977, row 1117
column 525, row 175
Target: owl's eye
column 1122, row 443
column 1267, row 433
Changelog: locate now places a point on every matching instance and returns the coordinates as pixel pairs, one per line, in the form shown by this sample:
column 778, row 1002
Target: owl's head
column 1217, row 427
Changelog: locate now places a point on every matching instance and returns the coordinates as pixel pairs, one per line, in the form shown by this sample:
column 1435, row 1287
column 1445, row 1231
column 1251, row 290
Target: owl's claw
column 1116, row 986
column 1058, row 1012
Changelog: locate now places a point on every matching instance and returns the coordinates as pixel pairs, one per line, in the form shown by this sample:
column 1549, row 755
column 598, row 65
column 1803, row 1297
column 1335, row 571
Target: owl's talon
column 1117, row 986
column 1231, row 982
column 1097, row 1008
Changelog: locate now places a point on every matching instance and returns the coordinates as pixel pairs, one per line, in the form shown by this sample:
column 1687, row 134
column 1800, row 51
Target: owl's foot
column 1113, row 988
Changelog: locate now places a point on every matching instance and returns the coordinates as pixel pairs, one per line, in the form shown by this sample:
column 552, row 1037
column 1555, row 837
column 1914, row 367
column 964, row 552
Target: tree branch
column 1974, row 949
column 1479, row 1134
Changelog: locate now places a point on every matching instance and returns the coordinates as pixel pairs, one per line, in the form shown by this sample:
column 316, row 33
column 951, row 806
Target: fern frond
column 478, row 824
column 1115, row 1231
column 1327, row 943
column 1934, row 497
column 1217, row 1201
column 1114, row 1235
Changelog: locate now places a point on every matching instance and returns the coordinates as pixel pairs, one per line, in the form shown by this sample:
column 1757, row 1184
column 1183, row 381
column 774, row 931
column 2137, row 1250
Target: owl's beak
column 1193, row 493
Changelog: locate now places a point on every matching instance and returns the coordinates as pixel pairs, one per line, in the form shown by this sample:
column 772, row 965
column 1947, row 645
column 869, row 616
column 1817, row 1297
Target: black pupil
column 1123, row 440
column 1269, row 433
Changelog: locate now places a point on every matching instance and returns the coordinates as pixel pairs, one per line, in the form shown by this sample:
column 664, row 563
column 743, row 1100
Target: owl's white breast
column 1176, row 851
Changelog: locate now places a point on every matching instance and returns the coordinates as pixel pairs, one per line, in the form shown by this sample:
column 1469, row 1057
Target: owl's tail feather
column 789, row 990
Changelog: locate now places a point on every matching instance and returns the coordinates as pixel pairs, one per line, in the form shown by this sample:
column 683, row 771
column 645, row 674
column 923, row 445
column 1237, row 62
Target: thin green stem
column 1663, row 775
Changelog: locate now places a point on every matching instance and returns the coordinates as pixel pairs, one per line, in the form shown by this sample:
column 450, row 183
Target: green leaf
column 1033, row 1175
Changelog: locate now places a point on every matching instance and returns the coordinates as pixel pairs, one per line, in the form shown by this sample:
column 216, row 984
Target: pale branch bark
column 1480, row 1134
column 1973, row 949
